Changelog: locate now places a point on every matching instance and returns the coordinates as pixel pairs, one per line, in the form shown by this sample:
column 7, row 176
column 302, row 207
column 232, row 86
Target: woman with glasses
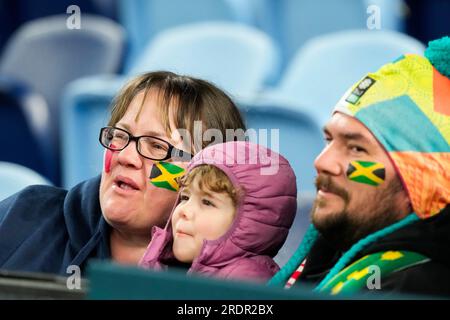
column 153, row 119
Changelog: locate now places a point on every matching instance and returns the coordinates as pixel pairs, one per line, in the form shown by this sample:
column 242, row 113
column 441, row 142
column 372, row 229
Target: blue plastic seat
column 46, row 55
column 15, row 177
column 293, row 22
column 298, row 229
column 237, row 58
column 25, row 128
column 292, row 133
column 328, row 65
column 144, row 19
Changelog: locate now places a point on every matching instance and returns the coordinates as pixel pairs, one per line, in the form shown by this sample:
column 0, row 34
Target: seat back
column 301, row 20
column 15, row 177
column 24, row 128
column 144, row 19
column 46, row 55
column 293, row 134
column 299, row 226
column 237, row 58
column 328, row 65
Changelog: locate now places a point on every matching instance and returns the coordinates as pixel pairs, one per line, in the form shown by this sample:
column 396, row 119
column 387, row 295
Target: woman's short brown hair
column 195, row 100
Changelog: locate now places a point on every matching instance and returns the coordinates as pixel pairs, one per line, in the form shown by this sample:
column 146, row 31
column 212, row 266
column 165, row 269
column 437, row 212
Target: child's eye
column 208, row 203
column 184, row 197
column 327, row 140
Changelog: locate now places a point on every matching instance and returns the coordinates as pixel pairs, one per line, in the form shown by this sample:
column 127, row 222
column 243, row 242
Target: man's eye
column 208, row 203
column 327, row 140
column 357, row 149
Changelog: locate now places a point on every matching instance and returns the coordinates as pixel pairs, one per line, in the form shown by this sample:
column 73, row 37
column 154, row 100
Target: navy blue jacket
column 46, row 229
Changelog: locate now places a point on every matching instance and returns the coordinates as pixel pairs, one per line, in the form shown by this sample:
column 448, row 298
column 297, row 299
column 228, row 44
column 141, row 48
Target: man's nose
column 328, row 162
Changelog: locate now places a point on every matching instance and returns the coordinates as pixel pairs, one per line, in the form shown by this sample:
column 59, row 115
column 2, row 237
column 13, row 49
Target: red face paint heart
column 108, row 159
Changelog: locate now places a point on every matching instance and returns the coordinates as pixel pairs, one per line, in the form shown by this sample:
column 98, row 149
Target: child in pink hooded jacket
column 236, row 205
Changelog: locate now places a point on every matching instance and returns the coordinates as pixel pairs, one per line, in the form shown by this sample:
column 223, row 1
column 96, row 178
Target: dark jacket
column 46, row 229
column 430, row 237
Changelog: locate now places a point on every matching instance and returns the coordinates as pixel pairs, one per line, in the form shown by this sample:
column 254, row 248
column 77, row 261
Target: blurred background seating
column 144, row 19
column 305, row 202
column 237, row 58
column 286, row 62
column 45, row 55
column 15, row 177
column 25, row 128
column 326, row 66
column 290, row 132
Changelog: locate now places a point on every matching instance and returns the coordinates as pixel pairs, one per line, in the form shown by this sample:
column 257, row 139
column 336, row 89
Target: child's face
column 200, row 215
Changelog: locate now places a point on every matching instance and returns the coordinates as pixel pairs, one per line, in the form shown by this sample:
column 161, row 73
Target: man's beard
column 343, row 229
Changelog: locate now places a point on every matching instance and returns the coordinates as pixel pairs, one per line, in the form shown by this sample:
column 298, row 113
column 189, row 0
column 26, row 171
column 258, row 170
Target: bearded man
column 381, row 218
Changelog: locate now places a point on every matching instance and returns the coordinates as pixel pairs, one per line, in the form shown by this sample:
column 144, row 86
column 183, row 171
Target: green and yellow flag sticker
column 164, row 175
column 371, row 173
column 357, row 276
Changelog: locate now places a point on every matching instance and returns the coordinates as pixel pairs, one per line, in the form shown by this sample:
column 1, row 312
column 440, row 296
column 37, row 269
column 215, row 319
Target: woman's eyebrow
column 146, row 133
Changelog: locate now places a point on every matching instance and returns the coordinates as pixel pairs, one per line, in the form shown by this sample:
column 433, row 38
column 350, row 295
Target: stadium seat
column 301, row 223
column 144, row 19
column 293, row 22
column 25, row 128
column 328, row 65
column 15, row 177
column 237, row 58
column 46, row 55
column 292, row 133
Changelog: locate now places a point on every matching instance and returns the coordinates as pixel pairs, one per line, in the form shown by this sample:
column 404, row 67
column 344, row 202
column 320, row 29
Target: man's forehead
column 348, row 127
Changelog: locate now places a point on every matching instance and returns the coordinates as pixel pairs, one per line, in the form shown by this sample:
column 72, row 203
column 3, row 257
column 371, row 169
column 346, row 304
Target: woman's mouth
column 125, row 184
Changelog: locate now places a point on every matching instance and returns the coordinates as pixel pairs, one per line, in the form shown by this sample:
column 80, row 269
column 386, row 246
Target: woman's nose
column 129, row 157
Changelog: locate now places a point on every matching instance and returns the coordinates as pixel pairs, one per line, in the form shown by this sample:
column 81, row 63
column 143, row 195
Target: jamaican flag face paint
column 164, row 174
column 371, row 173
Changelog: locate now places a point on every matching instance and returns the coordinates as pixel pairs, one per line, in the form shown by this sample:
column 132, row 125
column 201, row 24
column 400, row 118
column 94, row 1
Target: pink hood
column 263, row 216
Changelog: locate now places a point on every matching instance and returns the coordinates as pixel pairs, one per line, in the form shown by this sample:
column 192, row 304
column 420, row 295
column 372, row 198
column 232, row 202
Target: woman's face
column 129, row 202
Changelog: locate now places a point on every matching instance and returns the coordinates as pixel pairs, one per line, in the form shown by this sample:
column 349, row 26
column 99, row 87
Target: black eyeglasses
column 149, row 147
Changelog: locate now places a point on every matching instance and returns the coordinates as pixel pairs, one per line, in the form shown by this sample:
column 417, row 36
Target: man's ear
column 404, row 202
